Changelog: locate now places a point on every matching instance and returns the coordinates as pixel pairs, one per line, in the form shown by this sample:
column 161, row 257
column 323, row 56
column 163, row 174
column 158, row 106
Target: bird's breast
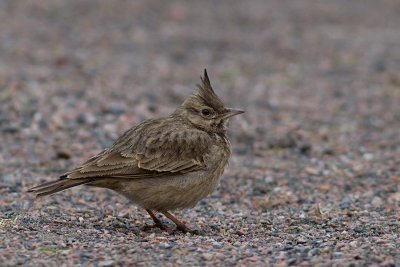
column 181, row 190
column 219, row 152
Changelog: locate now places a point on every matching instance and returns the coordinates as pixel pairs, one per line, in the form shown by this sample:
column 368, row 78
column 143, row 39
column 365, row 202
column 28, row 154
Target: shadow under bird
column 162, row 164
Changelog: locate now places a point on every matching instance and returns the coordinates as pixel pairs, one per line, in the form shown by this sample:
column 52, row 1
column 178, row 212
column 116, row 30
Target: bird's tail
column 57, row 186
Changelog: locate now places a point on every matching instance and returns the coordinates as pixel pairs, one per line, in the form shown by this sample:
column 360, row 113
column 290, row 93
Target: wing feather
column 152, row 149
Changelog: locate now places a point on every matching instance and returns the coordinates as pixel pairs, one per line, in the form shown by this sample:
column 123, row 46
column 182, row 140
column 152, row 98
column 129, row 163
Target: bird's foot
column 155, row 225
column 185, row 229
column 180, row 225
column 157, row 222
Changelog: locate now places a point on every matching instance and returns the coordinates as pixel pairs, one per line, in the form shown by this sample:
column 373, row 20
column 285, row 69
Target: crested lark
column 162, row 164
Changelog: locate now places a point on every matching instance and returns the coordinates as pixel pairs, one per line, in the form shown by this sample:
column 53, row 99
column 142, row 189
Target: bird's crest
column 206, row 95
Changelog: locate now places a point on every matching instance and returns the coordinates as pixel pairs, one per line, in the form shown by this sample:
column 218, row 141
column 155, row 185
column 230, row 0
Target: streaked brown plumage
column 162, row 164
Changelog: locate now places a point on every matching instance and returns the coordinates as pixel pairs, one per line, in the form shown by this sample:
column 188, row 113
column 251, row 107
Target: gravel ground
column 314, row 178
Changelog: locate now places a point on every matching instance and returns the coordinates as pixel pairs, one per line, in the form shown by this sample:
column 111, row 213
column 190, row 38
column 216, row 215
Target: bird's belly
column 169, row 193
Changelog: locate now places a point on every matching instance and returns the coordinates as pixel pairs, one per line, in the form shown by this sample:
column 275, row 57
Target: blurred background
column 319, row 80
column 329, row 66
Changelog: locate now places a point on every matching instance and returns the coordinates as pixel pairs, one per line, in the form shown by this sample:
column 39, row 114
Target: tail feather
column 57, row 186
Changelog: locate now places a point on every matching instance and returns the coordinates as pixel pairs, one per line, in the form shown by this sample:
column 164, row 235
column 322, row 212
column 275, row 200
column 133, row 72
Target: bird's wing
column 152, row 149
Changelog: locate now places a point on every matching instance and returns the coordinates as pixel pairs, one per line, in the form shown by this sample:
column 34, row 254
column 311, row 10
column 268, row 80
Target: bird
column 162, row 164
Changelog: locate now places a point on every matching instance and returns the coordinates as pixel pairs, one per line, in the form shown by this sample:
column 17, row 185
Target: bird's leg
column 180, row 225
column 157, row 222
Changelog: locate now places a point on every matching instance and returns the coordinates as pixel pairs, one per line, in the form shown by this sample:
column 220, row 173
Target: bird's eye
column 205, row 111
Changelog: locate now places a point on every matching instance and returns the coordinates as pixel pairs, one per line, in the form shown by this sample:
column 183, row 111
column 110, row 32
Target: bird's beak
column 229, row 112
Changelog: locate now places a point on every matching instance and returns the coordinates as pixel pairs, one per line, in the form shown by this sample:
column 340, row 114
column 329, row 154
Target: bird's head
column 205, row 110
